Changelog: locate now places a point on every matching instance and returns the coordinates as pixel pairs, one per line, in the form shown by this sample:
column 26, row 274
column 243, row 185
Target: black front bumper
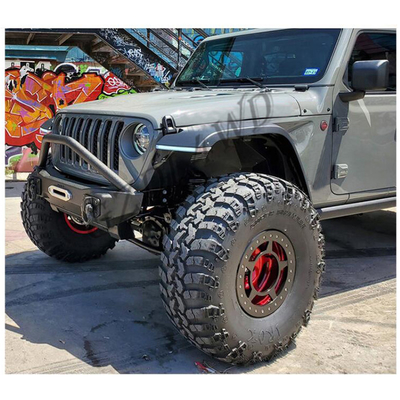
column 101, row 206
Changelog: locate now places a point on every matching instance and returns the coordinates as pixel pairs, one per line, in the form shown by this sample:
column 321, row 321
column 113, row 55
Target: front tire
column 242, row 266
column 58, row 235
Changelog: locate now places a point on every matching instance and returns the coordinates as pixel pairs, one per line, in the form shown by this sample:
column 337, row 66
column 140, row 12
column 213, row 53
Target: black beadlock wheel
column 266, row 273
column 242, row 266
column 59, row 235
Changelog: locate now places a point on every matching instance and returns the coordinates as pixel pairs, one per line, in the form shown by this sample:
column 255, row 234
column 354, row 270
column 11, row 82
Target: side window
column 375, row 46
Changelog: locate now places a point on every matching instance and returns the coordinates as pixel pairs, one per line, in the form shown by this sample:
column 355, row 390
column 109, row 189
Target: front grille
column 99, row 134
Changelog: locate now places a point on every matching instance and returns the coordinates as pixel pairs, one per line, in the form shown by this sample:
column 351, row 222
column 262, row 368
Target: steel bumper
column 101, row 206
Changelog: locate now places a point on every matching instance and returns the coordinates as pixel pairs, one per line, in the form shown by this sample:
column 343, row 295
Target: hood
column 196, row 107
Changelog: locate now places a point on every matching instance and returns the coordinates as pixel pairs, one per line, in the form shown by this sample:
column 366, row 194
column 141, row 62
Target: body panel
column 196, row 107
column 368, row 146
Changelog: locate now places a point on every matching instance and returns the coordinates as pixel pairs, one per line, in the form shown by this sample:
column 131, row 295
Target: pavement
column 106, row 316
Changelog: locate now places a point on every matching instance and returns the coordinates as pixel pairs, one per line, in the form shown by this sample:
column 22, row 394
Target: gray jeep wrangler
column 227, row 176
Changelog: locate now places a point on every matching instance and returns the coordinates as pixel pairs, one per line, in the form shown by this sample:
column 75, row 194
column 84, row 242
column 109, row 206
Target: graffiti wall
column 34, row 96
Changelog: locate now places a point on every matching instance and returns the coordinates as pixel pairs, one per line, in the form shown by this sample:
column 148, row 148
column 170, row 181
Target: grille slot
column 63, row 129
column 100, row 135
column 85, row 137
column 117, row 134
column 104, row 156
column 76, row 135
column 96, row 137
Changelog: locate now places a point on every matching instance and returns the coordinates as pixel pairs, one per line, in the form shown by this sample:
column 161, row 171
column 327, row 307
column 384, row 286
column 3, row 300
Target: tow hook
column 34, row 188
column 90, row 209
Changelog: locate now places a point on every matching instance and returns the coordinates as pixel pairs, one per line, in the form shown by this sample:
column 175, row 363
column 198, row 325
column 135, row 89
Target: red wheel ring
column 266, row 273
column 77, row 228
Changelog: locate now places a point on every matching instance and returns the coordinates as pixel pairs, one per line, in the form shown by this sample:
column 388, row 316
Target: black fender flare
column 201, row 139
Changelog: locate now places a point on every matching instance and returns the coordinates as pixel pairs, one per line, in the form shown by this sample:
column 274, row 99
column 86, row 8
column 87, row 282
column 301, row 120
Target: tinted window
column 376, row 46
column 283, row 56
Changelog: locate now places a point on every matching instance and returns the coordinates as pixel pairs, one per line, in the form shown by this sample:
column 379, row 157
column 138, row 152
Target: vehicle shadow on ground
column 367, row 239
column 108, row 313
column 13, row 189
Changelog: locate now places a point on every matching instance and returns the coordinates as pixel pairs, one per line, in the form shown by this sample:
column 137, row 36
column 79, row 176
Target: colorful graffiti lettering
column 114, row 85
column 31, row 98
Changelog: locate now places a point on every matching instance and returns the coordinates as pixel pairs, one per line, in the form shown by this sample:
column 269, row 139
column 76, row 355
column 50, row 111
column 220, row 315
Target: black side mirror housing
column 370, row 75
column 367, row 75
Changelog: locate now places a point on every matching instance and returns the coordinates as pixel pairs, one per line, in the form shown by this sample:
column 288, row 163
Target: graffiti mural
column 32, row 97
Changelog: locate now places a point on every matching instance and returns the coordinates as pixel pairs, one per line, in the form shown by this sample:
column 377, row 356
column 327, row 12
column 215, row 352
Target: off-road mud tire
column 201, row 258
column 50, row 233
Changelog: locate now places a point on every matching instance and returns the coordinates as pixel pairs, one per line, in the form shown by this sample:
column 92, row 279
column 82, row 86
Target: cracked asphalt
column 106, row 316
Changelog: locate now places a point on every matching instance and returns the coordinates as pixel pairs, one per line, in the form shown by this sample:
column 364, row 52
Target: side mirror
column 367, row 75
column 370, row 75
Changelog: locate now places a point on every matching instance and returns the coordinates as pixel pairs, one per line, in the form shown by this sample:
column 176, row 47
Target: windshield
column 276, row 57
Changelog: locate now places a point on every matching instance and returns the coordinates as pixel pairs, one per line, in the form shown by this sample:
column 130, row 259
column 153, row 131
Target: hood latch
column 168, row 125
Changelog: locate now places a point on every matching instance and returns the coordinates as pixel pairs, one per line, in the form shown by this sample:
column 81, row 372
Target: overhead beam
column 64, row 38
column 41, row 39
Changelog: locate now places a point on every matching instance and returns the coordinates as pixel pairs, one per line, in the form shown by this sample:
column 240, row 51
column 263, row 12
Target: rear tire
column 201, row 275
column 56, row 236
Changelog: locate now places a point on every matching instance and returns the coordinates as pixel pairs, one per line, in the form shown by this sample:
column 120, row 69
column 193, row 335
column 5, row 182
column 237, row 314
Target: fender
column 201, row 138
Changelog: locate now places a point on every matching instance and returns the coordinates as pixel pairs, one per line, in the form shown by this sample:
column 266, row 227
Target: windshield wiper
column 200, row 82
column 196, row 80
column 248, row 79
column 254, row 82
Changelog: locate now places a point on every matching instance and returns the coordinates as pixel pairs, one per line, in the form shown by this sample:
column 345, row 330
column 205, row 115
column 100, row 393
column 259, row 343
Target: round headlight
column 141, row 138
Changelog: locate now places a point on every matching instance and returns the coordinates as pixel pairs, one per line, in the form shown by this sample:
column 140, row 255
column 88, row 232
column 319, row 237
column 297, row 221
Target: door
column 364, row 132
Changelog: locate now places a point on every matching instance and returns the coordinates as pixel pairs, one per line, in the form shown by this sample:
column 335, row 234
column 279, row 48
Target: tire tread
column 188, row 279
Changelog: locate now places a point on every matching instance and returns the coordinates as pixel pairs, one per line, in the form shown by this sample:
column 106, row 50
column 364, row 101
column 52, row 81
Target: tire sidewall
column 262, row 333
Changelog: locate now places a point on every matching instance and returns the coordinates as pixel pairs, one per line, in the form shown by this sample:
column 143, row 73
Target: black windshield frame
column 311, row 52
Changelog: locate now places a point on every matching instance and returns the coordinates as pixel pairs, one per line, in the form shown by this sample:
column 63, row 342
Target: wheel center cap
column 265, row 274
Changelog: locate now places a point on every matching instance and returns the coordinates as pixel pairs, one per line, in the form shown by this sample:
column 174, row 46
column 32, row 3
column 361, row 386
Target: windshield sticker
column 311, row 71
